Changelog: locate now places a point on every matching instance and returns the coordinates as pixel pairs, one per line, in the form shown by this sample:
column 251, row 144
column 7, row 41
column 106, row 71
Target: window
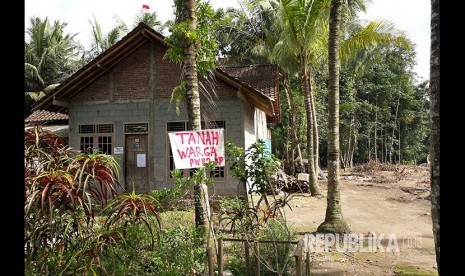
column 174, row 126
column 96, row 137
column 217, row 172
column 87, row 143
column 136, row 128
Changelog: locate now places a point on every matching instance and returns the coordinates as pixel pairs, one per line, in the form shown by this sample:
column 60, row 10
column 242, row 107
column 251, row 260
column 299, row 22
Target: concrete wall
column 107, row 113
column 138, row 112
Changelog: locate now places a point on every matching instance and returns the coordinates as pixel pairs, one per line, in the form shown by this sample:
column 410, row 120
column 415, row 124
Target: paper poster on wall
column 191, row 149
column 118, row 150
column 141, row 160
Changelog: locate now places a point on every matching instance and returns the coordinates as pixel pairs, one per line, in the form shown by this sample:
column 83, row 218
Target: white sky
column 411, row 16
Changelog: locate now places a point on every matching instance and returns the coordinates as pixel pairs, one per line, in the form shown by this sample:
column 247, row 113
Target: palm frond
column 378, row 32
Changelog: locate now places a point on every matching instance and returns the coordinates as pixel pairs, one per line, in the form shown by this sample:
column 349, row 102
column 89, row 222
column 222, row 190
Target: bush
column 277, row 259
column 170, row 197
column 235, row 214
column 178, row 252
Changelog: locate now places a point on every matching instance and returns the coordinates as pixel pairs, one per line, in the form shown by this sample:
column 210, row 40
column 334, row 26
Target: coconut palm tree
column 149, row 19
column 102, row 41
column 334, row 221
column 193, row 47
column 435, row 124
column 50, row 56
column 301, row 25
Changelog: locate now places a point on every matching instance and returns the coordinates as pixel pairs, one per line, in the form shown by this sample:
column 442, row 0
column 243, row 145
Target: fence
column 300, row 251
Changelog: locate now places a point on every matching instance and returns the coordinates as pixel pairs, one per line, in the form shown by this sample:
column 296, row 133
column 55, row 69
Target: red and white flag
column 145, row 7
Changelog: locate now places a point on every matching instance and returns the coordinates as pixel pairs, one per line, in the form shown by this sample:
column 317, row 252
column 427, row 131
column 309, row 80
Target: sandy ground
column 381, row 202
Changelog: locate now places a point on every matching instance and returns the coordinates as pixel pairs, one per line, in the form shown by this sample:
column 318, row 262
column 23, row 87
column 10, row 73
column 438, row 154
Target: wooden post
column 298, row 258
column 257, row 260
column 247, row 257
column 307, row 255
column 220, row 256
column 211, row 263
column 307, row 265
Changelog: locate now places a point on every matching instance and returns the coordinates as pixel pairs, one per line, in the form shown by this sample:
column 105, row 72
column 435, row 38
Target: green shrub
column 178, row 252
column 169, row 197
column 277, row 259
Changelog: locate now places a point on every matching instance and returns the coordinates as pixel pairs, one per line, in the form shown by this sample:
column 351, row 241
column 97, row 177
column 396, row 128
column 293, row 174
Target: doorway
column 136, row 163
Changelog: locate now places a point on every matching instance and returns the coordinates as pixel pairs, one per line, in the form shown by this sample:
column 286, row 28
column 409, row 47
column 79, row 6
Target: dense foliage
column 74, row 219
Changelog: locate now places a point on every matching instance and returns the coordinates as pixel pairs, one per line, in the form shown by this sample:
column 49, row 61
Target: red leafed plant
column 132, row 208
column 61, row 188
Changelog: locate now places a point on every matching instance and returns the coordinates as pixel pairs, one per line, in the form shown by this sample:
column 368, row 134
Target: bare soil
column 391, row 200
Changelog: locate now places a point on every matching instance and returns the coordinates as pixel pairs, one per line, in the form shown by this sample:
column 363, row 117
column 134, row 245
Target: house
column 53, row 121
column 120, row 103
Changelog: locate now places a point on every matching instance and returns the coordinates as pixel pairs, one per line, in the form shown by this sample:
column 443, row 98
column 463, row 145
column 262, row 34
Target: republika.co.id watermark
column 352, row 242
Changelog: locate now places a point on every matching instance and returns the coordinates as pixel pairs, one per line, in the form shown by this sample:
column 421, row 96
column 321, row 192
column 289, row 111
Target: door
column 136, row 163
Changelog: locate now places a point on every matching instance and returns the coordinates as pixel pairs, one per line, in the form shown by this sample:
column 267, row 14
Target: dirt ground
column 394, row 201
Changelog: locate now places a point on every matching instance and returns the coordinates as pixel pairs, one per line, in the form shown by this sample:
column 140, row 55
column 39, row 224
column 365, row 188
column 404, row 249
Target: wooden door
column 136, row 163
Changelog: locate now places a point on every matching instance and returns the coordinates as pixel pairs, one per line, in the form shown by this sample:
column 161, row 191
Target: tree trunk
column 295, row 144
column 316, row 144
column 355, row 127
column 334, row 220
column 400, row 159
column 313, row 181
column 369, row 146
column 348, row 146
column 382, row 145
column 354, row 145
column 202, row 205
column 435, row 125
column 391, row 150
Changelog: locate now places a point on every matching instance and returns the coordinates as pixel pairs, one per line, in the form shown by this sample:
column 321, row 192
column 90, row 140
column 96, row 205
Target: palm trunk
column 348, row 147
column 313, row 181
column 295, row 145
column 355, row 127
column 316, row 153
column 289, row 151
column 334, row 220
column 435, row 124
column 202, row 205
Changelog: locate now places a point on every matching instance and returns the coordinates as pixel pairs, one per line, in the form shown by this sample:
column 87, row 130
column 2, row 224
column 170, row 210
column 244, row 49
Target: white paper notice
column 118, row 150
column 141, row 160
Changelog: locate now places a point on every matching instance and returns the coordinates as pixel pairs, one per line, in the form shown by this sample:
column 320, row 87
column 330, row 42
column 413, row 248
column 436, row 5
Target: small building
column 53, row 121
column 120, row 103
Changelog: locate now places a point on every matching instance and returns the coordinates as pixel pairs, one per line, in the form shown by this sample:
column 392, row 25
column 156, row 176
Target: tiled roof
column 260, row 77
column 44, row 117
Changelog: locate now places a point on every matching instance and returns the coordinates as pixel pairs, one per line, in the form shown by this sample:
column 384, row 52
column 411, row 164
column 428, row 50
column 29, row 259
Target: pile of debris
column 290, row 184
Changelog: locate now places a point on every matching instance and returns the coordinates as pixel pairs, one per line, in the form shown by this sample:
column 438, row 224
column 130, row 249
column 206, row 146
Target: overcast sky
column 411, row 16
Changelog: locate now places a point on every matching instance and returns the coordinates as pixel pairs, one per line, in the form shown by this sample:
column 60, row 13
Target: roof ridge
column 246, row 65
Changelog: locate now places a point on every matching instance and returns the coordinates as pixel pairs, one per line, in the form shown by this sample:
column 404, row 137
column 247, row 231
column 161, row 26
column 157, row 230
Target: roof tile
column 260, row 77
column 44, row 117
